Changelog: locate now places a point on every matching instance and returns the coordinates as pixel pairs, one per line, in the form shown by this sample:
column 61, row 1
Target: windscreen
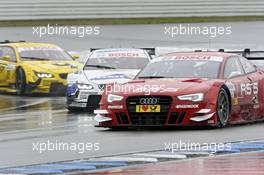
column 120, row 59
column 43, row 53
column 181, row 69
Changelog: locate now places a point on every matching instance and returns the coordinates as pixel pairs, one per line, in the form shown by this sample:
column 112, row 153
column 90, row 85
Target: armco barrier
column 73, row 9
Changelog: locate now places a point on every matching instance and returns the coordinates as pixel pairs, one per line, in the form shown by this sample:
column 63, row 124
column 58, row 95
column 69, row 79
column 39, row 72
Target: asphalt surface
column 39, row 119
column 25, row 121
column 217, row 165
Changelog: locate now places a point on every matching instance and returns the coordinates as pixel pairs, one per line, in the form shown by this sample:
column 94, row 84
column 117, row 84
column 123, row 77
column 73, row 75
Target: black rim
column 223, row 107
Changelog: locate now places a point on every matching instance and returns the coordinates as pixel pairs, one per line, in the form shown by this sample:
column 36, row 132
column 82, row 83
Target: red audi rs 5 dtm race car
column 187, row 89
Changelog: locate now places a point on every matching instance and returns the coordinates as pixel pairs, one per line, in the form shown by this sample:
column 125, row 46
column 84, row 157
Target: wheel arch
column 229, row 96
column 20, row 67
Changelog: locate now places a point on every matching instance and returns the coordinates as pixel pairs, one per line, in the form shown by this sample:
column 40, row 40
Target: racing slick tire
column 223, row 108
column 20, row 81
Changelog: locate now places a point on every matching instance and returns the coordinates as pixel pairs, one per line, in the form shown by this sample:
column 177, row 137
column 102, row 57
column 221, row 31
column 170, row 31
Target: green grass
column 128, row 21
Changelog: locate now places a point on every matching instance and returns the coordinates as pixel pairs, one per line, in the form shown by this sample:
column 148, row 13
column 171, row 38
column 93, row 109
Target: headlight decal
column 111, row 98
column 192, row 97
column 43, row 75
column 85, row 86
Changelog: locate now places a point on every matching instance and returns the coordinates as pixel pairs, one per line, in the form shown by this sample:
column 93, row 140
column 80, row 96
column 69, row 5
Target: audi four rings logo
column 152, row 101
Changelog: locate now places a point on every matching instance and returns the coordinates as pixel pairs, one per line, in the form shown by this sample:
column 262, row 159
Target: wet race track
column 28, row 120
column 25, row 121
column 31, row 113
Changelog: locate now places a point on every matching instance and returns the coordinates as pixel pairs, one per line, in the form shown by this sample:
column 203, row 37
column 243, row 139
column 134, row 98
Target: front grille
column 122, row 118
column 64, row 76
column 151, row 118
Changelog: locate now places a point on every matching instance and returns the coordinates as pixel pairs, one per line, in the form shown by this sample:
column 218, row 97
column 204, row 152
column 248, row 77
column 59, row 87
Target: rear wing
column 256, row 57
column 247, row 53
column 150, row 51
column 8, row 41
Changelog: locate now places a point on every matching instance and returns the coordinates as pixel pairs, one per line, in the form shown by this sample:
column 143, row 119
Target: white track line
column 130, row 159
column 194, row 153
column 169, row 156
column 12, row 174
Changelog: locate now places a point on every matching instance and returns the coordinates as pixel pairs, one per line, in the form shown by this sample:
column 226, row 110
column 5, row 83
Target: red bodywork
column 245, row 92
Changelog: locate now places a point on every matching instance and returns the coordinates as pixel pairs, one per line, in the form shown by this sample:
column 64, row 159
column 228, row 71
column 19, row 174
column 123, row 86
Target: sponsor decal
column 168, row 89
column 10, row 67
column 129, row 53
column 246, row 112
column 195, row 58
column 147, row 108
column 216, row 58
column 65, row 64
column 234, row 101
column 123, row 54
column 115, row 107
column 21, row 49
column 191, row 106
column 255, row 99
column 210, row 121
column 61, row 64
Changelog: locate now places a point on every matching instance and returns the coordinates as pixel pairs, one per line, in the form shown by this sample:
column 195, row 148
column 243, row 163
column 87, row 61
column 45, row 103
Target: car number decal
column 249, row 88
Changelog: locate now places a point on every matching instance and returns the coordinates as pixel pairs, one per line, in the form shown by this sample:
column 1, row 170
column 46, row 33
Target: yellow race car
column 35, row 68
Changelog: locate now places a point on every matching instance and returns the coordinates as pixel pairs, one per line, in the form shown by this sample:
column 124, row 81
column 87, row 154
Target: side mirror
column 234, row 74
column 6, row 57
column 75, row 56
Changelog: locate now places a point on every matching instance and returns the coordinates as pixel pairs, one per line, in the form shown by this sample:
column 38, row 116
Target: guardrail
column 78, row 9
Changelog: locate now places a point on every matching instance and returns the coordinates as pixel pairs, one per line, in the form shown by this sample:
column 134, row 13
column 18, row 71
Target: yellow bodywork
column 57, row 68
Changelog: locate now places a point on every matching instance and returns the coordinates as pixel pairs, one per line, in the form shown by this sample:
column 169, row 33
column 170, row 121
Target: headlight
column 44, row 75
column 192, row 97
column 111, row 98
column 85, row 86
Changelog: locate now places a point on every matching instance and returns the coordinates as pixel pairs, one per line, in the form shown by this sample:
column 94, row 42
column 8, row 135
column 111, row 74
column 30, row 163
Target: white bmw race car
column 102, row 67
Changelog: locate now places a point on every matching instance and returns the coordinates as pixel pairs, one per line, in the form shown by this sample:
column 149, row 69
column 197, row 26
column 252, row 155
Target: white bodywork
column 99, row 78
